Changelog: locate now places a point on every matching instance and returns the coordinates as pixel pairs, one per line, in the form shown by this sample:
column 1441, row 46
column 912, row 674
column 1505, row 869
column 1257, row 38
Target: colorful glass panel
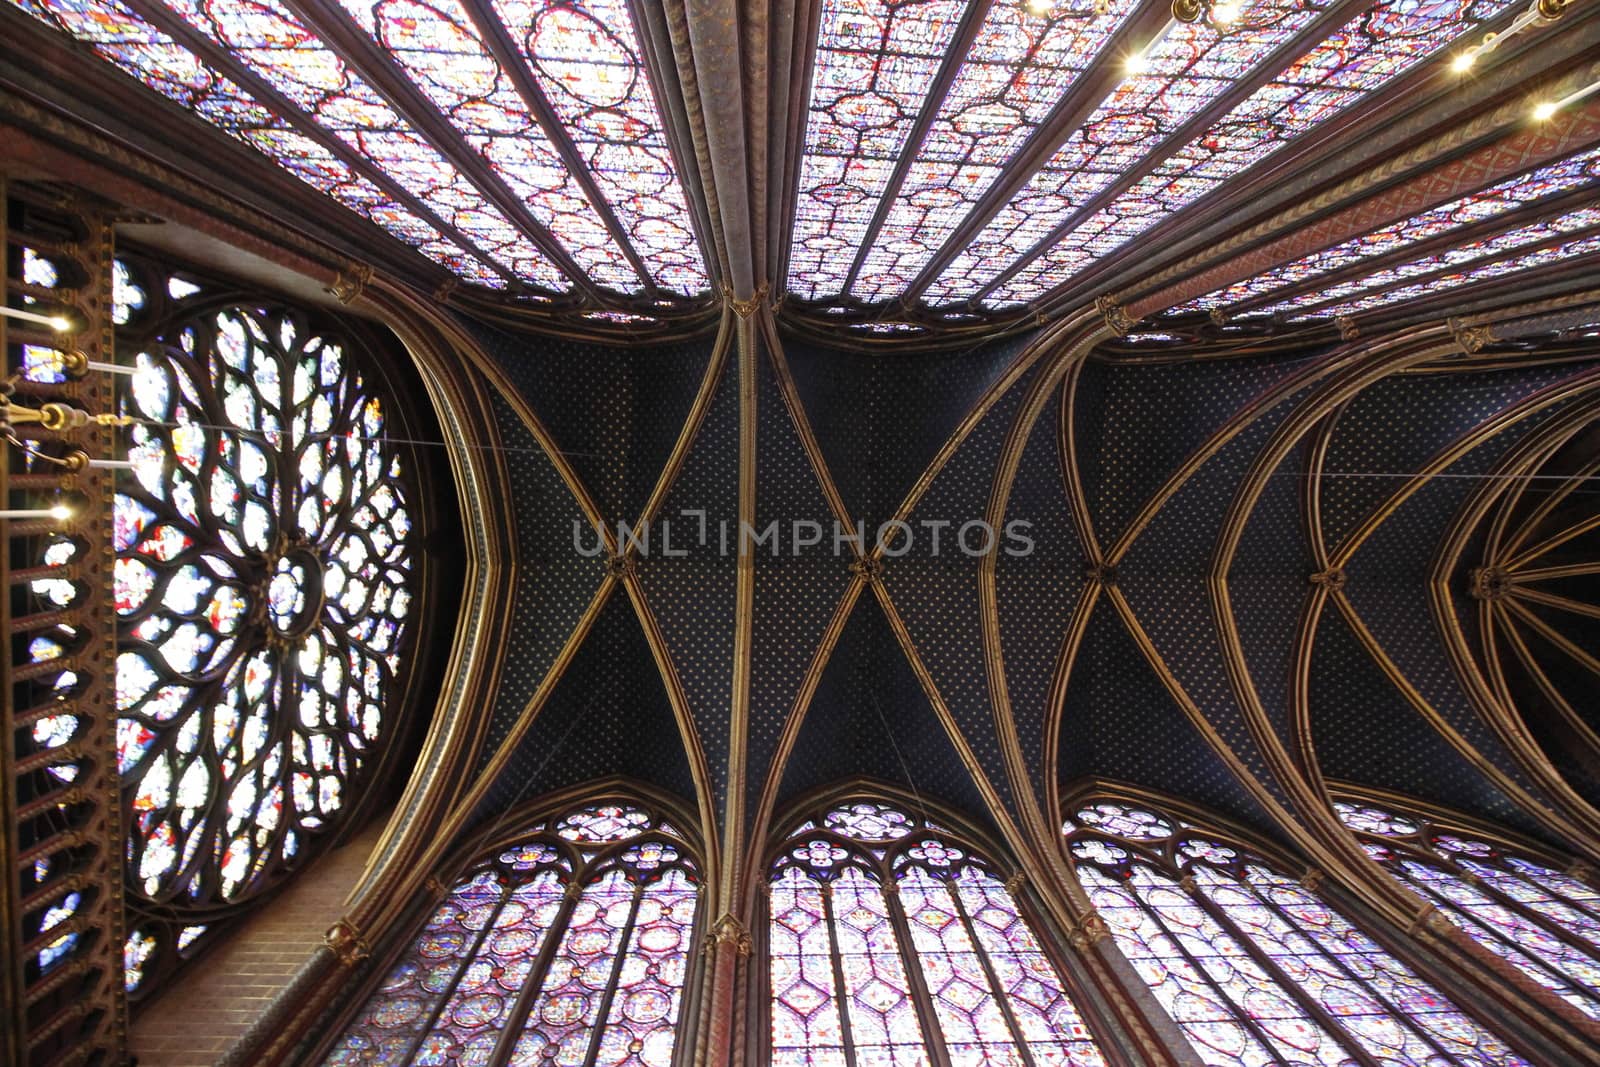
column 1345, row 68
column 874, row 63
column 562, row 949
column 585, row 55
column 1544, row 922
column 1492, row 257
column 1254, row 967
column 1575, row 172
column 443, row 54
column 1184, row 72
column 262, row 482
column 882, row 927
column 1020, row 64
column 131, row 43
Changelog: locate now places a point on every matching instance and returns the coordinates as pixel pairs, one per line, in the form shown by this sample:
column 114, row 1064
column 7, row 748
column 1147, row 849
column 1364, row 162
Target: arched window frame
column 171, row 293
column 480, row 853
column 1194, row 822
column 803, row 821
column 1391, row 851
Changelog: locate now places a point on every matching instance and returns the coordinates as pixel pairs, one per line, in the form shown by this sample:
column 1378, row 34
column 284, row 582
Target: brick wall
column 199, row 1016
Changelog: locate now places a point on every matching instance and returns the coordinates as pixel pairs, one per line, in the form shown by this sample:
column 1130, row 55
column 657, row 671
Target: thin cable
column 911, row 782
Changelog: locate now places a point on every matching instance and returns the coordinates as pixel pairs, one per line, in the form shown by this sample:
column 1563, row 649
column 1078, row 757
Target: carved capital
column 1470, row 339
column 1488, row 583
column 1014, row 883
column 346, row 943
column 445, row 291
column 348, row 285
column 868, row 568
column 1348, row 330
column 728, row 930
column 1218, row 315
column 1430, row 920
column 1090, row 928
column 1582, row 872
column 433, row 886
column 1116, row 318
column 1311, row 880
column 1332, row 580
column 745, row 308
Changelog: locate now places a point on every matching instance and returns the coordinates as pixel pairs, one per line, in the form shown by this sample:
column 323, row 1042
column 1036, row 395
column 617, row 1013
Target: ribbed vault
column 1266, row 552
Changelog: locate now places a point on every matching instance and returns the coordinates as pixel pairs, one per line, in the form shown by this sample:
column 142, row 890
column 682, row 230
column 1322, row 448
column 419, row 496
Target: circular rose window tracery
column 264, row 553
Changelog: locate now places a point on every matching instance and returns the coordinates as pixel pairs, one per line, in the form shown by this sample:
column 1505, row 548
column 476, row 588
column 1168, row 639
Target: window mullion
column 988, row 969
column 1394, row 1009
column 1289, row 985
column 616, row 977
column 1241, row 1013
column 534, row 982
column 1450, row 907
column 1544, row 922
column 455, row 979
column 921, row 998
column 841, row 993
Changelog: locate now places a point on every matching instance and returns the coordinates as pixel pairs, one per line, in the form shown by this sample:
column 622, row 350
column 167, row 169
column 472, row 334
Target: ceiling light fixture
column 1538, row 13
column 1040, row 7
column 1547, row 109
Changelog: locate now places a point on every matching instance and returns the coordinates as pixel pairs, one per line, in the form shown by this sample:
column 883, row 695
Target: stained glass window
column 890, row 938
column 178, row 73
column 263, row 586
column 1184, row 72
column 1575, row 172
column 1542, row 920
column 321, row 117
column 1526, row 248
column 1020, row 64
column 1254, row 966
column 1345, row 67
column 568, row 946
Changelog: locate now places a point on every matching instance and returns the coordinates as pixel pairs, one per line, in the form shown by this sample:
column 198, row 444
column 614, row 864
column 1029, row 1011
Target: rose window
column 263, row 561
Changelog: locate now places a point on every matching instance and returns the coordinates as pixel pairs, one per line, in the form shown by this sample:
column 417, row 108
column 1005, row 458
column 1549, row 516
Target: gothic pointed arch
column 567, row 926
column 1252, row 959
column 891, row 932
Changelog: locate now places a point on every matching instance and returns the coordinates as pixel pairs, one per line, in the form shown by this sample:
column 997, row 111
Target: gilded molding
column 1118, row 319
column 745, row 308
column 728, row 930
column 1471, row 339
column 1101, row 574
column 867, row 568
column 348, row 286
column 1332, row 579
column 346, row 943
column 1488, row 583
column 1088, row 930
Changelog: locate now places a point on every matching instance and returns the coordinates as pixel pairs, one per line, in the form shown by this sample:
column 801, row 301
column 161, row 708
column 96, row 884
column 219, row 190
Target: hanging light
column 1538, row 13
column 58, row 323
column 1547, row 109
